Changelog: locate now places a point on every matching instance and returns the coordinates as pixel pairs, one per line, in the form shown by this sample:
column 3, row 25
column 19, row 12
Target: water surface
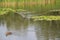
column 25, row 29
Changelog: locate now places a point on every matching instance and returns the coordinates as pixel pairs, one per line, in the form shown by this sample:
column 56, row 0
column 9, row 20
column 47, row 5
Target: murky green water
column 25, row 29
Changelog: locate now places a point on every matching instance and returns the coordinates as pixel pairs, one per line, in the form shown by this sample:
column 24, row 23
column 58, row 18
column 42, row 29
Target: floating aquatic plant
column 6, row 10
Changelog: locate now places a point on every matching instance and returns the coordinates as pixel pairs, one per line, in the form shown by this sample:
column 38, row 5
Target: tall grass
column 31, row 5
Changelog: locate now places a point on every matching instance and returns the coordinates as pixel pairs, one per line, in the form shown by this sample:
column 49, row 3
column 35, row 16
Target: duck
column 8, row 33
column 11, row 36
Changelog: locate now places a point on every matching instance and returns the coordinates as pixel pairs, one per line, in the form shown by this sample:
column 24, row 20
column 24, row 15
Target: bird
column 8, row 33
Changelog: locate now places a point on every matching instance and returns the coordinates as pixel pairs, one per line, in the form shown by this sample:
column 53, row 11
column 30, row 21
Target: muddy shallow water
column 25, row 29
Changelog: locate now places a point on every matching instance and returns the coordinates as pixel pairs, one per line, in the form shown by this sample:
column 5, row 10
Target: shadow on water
column 38, row 30
column 48, row 30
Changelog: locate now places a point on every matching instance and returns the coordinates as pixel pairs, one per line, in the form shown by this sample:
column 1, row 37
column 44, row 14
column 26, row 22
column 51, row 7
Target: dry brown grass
column 13, row 4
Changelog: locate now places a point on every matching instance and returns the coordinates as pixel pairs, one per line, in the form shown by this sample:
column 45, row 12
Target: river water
column 25, row 29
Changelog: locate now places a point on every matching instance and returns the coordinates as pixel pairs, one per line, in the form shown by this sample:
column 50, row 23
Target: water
column 26, row 29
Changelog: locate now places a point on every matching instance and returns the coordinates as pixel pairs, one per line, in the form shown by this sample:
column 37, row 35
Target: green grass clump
column 9, row 10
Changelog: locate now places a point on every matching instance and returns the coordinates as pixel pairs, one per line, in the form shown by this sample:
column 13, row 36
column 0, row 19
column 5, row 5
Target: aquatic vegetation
column 48, row 18
column 7, row 10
